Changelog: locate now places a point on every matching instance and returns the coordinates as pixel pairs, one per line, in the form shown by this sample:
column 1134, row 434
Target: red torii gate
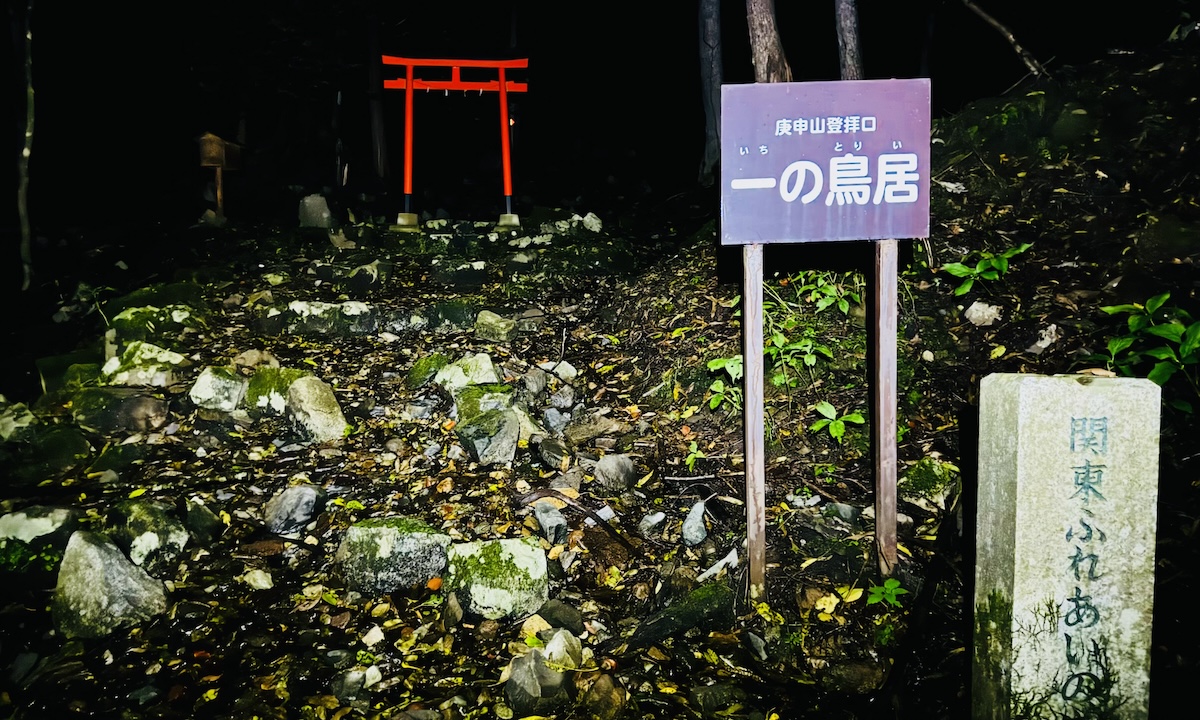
column 503, row 86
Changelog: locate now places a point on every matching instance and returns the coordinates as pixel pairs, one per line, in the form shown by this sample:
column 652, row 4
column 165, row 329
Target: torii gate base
column 408, row 221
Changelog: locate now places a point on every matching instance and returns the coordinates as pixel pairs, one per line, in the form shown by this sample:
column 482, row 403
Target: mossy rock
column 158, row 295
column 931, row 484
column 451, row 316
column 16, row 421
column 143, row 363
column 113, row 409
column 499, row 578
column 119, row 457
column 149, row 533
column 708, row 604
column 474, row 400
column 55, row 370
column 492, row 436
column 311, row 317
column 268, row 388
column 424, row 369
column 382, row 555
column 47, row 452
column 81, row 375
column 162, row 325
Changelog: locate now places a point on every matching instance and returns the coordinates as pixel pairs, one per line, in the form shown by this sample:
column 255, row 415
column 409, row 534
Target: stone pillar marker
column 1065, row 538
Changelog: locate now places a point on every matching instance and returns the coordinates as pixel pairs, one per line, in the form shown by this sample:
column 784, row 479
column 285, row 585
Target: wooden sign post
column 883, row 401
column 752, row 406
column 822, row 162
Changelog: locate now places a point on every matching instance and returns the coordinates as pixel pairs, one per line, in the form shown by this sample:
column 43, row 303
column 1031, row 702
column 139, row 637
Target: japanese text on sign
column 1085, row 648
column 834, row 125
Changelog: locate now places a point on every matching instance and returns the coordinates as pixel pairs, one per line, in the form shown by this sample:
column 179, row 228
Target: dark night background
column 612, row 115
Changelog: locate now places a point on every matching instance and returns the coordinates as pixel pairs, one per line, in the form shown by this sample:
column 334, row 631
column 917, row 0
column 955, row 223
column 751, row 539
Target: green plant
column 825, row 289
column 1162, row 334
column 824, row 472
column 722, row 393
column 20, row 557
column 833, row 423
column 885, row 629
column 990, row 266
column 694, row 454
column 791, row 355
column 795, row 640
column 887, row 592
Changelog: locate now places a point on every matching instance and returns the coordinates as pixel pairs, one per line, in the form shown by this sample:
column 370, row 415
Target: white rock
column 694, row 531
column 728, row 562
column 563, row 369
column 32, row 523
column 314, row 212
column 1046, row 337
column 982, row 314
column 313, row 406
column 258, row 579
column 100, row 590
column 650, row 522
column 218, row 389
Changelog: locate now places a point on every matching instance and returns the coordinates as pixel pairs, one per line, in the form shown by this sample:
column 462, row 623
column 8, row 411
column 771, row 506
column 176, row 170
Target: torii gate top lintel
column 456, row 82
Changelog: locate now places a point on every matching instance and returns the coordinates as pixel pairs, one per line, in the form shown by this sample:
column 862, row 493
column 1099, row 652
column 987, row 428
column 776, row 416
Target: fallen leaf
column 849, row 594
column 265, row 548
column 827, row 603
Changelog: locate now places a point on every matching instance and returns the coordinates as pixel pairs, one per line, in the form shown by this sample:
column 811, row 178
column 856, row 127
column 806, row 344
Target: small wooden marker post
column 820, row 162
column 221, row 155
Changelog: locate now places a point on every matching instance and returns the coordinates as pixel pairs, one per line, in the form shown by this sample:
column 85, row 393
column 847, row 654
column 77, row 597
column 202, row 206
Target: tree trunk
column 766, row 50
column 23, row 160
column 849, row 55
column 710, row 87
column 375, row 95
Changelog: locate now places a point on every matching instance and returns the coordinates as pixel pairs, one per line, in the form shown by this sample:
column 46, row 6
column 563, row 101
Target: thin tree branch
column 1026, row 57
